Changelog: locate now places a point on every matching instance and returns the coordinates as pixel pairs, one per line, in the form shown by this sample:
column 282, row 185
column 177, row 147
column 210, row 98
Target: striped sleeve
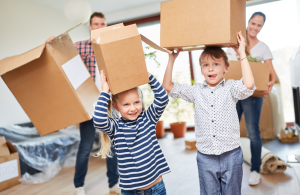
column 160, row 102
column 101, row 121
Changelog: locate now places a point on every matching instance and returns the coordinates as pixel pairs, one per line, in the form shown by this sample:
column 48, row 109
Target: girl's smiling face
column 129, row 104
column 213, row 69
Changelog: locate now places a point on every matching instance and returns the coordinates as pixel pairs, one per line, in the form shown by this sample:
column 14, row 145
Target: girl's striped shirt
column 140, row 159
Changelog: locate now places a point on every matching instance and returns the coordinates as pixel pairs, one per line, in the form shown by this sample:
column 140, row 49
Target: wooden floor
column 183, row 180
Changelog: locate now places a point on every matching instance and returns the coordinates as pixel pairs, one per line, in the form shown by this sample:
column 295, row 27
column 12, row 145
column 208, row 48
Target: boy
column 219, row 155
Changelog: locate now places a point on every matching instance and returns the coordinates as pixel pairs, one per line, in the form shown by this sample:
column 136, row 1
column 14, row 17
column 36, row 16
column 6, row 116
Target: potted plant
column 178, row 128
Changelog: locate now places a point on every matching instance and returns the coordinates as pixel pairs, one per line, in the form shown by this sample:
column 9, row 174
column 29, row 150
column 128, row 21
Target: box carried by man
column 9, row 165
column 119, row 52
column 52, row 84
column 194, row 24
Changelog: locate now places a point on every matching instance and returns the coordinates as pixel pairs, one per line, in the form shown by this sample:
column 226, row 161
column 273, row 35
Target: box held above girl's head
column 119, row 52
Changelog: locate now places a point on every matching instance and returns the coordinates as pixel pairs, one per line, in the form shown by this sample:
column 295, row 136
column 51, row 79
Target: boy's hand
column 242, row 45
column 104, row 83
column 173, row 56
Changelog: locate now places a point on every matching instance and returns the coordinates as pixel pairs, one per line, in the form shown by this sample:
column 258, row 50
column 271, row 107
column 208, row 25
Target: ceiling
column 105, row 6
column 125, row 9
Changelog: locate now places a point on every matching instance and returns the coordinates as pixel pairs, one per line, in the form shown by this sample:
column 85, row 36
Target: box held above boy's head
column 194, row 24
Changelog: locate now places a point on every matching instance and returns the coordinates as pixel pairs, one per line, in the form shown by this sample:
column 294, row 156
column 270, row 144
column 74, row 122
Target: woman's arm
column 273, row 77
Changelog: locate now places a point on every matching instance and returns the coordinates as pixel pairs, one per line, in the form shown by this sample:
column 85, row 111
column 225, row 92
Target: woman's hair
column 105, row 148
column 247, row 41
column 258, row 14
column 215, row 53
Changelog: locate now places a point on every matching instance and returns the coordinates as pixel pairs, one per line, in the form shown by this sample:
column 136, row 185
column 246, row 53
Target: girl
column 141, row 162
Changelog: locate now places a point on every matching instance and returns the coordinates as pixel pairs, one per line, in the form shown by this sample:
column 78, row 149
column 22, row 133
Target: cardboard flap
column 65, row 32
column 95, row 34
column 4, row 151
column 152, row 44
column 118, row 34
column 72, row 28
column 13, row 62
column 11, row 148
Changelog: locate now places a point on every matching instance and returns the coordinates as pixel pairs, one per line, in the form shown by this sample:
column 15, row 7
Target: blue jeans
column 221, row 174
column 251, row 107
column 157, row 189
column 87, row 135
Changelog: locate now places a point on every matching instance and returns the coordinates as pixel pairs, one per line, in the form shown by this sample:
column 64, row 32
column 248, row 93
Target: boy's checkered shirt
column 217, row 125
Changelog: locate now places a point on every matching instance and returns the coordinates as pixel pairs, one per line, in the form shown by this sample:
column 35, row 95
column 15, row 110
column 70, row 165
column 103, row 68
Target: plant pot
column 178, row 129
column 160, row 130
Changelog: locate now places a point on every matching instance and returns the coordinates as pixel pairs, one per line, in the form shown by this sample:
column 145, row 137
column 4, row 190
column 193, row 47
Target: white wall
column 133, row 13
column 25, row 25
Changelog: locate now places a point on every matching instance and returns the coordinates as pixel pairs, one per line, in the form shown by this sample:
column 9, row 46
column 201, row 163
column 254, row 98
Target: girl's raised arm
column 101, row 120
column 160, row 102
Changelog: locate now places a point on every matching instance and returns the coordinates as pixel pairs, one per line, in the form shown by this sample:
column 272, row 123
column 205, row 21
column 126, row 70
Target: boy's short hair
column 215, row 53
column 97, row 14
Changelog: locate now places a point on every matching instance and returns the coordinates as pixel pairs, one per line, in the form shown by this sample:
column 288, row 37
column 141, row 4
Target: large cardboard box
column 261, row 72
column 52, row 84
column 271, row 117
column 194, row 24
column 9, row 165
column 119, row 52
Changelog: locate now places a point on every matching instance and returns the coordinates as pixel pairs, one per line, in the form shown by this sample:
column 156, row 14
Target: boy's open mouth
column 212, row 76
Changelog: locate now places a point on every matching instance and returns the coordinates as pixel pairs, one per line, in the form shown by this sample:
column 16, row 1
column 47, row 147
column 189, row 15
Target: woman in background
column 251, row 107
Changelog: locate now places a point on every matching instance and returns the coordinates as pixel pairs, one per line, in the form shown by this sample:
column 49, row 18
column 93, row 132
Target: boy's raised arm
column 248, row 78
column 167, row 82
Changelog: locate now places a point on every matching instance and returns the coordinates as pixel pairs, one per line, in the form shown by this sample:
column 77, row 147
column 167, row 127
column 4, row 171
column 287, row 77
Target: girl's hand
column 104, row 83
column 242, row 46
column 173, row 56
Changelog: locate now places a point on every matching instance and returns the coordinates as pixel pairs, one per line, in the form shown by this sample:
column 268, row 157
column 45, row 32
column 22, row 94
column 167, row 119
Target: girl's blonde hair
column 105, row 148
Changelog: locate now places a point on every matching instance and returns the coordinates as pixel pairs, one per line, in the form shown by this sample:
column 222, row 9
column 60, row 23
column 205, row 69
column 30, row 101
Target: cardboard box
column 190, row 145
column 271, row 117
column 119, row 52
column 9, row 165
column 52, row 84
column 261, row 72
column 194, row 24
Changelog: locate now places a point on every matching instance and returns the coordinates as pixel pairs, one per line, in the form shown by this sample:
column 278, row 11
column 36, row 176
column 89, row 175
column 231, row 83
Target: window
column 181, row 74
